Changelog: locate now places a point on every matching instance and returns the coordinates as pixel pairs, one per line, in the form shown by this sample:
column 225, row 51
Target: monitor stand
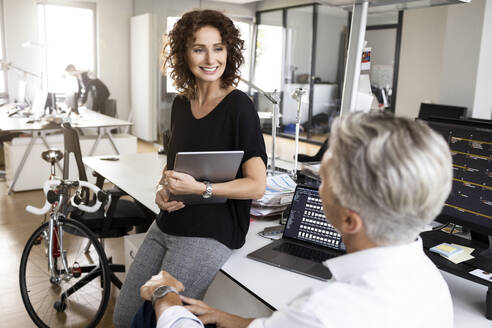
column 483, row 258
column 483, row 239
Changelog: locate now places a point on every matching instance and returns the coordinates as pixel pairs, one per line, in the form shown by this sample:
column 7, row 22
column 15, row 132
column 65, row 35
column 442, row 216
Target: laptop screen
column 307, row 221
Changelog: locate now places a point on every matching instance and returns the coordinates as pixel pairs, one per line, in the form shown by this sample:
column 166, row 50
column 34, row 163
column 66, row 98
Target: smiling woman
column 192, row 242
column 180, row 37
column 206, row 55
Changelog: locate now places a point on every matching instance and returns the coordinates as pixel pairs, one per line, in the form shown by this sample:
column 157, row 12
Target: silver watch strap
column 161, row 292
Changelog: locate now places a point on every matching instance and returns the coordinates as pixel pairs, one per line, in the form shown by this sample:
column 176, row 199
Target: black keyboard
column 303, row 252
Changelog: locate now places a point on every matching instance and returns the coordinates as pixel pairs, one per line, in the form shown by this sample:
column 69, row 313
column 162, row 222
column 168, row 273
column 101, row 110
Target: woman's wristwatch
column 162, row 291
column 208, row 190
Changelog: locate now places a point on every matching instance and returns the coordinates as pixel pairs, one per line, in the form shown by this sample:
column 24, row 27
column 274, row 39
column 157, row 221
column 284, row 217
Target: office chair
column 122, row 215
column 427, row 111
column 316, row 157
column 110, row 108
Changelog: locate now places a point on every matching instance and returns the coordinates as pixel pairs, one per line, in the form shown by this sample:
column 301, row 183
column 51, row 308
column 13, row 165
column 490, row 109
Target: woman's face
column 207, row 56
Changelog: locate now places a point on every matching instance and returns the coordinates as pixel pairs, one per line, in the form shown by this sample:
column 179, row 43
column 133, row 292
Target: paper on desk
column 461, row 257
column 280, row 183
column 265, row 211
column 482, row 274
column 278, row 194
column 278, row 188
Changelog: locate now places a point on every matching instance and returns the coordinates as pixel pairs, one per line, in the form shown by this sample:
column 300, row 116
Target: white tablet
column 212, row 166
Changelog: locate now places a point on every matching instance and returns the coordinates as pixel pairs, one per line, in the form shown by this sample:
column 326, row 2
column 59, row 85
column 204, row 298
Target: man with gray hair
column 383, row 180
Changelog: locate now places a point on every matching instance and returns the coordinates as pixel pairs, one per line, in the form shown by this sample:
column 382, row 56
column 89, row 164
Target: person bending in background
column 192, row 242
column 382, row 180
column 98, row 91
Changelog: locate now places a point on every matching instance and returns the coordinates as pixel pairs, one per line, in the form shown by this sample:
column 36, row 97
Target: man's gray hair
column 394, row 172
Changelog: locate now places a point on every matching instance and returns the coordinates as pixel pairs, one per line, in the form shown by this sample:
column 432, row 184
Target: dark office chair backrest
column 122, row 215
column 72, row 145
column 441, row 111
column 110, row 107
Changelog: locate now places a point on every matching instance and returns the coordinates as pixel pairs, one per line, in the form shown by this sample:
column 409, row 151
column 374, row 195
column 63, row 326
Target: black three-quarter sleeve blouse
column 232, row 125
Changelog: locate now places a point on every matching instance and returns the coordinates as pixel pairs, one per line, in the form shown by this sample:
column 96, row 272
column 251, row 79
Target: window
column 268, row 69
column 169, row 82
column 244, row 30
column 66, row 36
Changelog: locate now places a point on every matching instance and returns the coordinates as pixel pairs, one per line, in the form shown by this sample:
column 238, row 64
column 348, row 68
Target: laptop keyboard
column 303, row 252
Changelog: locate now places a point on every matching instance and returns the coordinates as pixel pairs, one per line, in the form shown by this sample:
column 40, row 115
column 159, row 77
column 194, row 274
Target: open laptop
column 307, row 241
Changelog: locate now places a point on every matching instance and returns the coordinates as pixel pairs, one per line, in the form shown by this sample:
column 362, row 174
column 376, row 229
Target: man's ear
column 352, row 222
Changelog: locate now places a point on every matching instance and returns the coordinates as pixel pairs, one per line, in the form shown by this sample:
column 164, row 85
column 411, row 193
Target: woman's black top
column 232, row 125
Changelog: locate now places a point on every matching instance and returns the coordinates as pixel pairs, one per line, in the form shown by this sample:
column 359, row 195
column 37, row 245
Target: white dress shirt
column 394, row 286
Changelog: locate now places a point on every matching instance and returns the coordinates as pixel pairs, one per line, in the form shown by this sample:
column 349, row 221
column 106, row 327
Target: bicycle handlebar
column 47, row 206
column 85, row 208
column 43, row 210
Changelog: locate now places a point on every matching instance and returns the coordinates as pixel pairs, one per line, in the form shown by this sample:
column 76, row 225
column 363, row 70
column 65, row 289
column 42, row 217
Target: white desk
column 38, row 129
column 137, row 174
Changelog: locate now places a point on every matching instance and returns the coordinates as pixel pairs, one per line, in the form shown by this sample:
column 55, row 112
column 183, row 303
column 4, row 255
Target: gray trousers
column 192, row 260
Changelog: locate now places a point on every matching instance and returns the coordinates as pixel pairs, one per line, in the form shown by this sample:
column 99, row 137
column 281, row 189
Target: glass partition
column 270, row 43
column 297, row 67
column 305, row 47
column 331, row 37
column 302, row 47
column 383, row 44
column 383, row 36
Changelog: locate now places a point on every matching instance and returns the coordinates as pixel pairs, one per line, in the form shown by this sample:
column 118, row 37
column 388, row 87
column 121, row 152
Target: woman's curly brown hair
column 181, row 35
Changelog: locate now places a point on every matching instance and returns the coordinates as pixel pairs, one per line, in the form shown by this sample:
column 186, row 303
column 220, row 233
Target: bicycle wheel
column 77, row 298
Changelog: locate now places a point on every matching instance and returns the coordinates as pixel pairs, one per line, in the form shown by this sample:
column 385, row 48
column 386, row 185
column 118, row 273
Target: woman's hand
column 162, row 200
column 209, row 315
column 182, row 184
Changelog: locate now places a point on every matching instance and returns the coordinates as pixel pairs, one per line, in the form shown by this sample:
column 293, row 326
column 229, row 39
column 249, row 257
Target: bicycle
column 57, row 273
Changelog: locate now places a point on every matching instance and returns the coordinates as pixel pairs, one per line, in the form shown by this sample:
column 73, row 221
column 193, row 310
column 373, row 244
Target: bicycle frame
column 60, row 209
column 55, row 245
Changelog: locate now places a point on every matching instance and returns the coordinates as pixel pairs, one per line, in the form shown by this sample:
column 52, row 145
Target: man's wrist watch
column 162, row 291
column 208, row 190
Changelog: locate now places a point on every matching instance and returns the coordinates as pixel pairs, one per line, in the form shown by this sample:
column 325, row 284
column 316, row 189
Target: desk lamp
column 5, row 66
column 297, row 95
column 274, row 98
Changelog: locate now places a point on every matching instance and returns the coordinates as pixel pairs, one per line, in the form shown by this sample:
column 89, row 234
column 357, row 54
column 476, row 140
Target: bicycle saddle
column 52, row 155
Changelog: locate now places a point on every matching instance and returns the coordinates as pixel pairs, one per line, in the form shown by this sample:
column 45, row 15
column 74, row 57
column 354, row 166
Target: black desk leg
column 488, row 304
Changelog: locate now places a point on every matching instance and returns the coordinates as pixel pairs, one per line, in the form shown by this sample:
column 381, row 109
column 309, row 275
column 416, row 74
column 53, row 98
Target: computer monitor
column 441, row 111
column 39, row 103
column 470, row 201
column 21, row 91
column 71, row 100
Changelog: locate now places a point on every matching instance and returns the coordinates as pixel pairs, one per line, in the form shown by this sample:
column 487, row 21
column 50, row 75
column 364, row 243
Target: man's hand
column 162, row 200
column 208, row 314
column 182, row 184
column 161, row 279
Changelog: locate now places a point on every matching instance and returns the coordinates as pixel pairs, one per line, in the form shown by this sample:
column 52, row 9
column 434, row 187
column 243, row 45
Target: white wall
column 445, row 58
column 482, row 106
column 113, row 25
column 460, row 53
column 113, row 45
column 422, row 42
column 21, row 26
